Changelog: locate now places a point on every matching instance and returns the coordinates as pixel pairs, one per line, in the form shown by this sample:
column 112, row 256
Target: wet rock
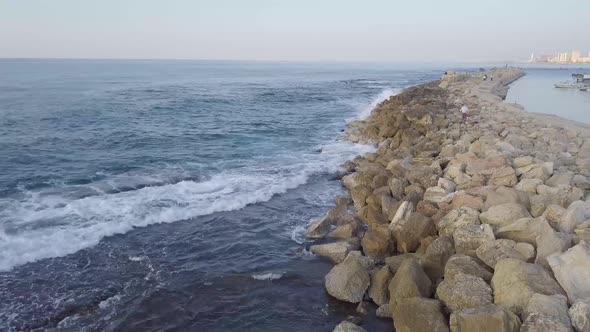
column 349, row 280
column 377, row 242
column 572, row 271
column 384, row 311
column 345, row 231
column 456, row 218
column 419, row 314
column 348, row 327
column 378, row 291
column 436, row 256
column 488, row 318
column 464, row 291
column 514, row 282
column 579, row 314
column 504, row 214
column 468, row 238
column 336, row 251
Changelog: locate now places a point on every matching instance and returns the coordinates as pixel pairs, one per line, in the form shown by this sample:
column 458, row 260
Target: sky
column 293, row 30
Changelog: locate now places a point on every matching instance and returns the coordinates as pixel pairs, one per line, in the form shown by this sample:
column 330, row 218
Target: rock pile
column 463, row 227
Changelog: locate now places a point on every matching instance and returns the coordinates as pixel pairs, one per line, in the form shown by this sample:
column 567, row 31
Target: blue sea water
column 173, row 195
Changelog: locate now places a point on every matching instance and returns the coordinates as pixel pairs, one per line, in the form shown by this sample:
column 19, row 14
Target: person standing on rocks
column 464, row 113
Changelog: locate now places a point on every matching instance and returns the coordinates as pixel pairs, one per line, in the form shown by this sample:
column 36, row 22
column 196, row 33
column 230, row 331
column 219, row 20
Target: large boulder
column 394, row 262
column 546, row 310
column 456, row 218
column 576, row 214
column 349, row 280
column 463, row 264
column 554, row 214
column 419, row 314
column 464, row 291
column 336, row 251
column 579, row 314
column 397, row 187
column 438, row 195
column 504, row 176
column 468, row 238
column 348, row 327
column 529, row 185
column 408, row 232
column 436, row 256
column 504, row 214
column 462, row 199
column 378, row 291
column 563, row 178
column 377, row 242
column 522, row 230
column 345, row 231
column 490, row 318
column 493, row 251
column 409, row 281
column 503, row 195
column 425, row 176
column 514, row 282
column 572, row 271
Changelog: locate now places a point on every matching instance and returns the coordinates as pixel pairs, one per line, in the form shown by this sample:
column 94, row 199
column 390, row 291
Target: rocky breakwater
column 463, row 227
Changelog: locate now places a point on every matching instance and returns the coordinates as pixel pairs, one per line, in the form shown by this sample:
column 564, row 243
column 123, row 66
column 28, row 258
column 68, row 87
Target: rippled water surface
column 172, row 195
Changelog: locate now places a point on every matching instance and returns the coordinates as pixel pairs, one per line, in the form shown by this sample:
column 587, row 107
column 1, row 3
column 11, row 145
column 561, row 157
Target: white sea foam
column 381, row 97
column 267, row 276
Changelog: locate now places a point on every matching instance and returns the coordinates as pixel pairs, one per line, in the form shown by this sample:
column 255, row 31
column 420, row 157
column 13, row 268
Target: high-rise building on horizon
column 576, row 56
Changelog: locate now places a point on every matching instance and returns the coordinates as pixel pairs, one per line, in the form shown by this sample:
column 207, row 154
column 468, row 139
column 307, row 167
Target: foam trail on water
column 381, row 97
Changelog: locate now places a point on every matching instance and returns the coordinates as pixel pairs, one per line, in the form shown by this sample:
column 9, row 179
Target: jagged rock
column 349, row 280
column 528, row 185
column 552, row 309
column 579, row 314
column 514, row 282
column 336, row 251
column 468, row 238
column 436, row 256
column 561, row 178
column 522, row 230
column 438, row 195
column 384, row 311
column 425, row 176
column 448, row 185
column 493, row 251
column 394, row 262
column 504, row 214
column 396, row 186
column 457, row 218
column 582, row 232
column 550, row 242
column 348, row 327
column 409, row 281
column 504, row 195
column 378, row 291
column 554, row 214
column 424, row 244
column 504, row 176
column 389, row 206
column 488, row 318
column 377, row 242
column 408, row 232
column 419, row 314
column 540, row 202
column 463, row 264
column 345, row 231
column 462, row 199
column 464, row 291
column 572, row 271
column 581, row 181
column 427, row 208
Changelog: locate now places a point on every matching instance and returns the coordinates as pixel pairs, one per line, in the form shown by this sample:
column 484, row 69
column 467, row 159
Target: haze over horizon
column 374, row 31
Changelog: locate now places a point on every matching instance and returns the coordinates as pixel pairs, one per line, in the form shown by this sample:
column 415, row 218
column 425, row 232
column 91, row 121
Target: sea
column 145, row 195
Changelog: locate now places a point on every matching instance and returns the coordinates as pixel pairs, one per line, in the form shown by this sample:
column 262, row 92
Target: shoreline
column 438, row 220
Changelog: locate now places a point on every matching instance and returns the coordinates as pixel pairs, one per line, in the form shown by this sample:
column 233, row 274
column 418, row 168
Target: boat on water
column 580, row 81
column 567, row 85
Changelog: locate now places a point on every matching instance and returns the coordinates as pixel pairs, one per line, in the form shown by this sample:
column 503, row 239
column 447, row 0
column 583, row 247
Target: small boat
column 566, row 85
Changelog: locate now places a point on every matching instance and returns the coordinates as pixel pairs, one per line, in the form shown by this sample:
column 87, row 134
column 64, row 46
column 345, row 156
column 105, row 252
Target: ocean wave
column 381, row 97
column 267, row 276
column 44, row 225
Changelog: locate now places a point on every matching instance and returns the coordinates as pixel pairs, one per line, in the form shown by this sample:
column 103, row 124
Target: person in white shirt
column 464, row 111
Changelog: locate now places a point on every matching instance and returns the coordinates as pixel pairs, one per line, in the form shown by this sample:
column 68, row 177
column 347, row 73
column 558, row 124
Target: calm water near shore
column 155, row 195
column 536, row 93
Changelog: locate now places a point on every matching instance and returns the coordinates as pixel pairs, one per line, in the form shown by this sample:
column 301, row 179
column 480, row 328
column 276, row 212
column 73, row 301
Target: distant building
column 561, row 58
column 576, row 56
column 564, row 57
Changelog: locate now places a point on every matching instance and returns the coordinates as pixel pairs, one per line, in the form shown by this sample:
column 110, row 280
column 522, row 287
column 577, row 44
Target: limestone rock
column 504, row 214
column 397, row 187
column 384, row 311
column 528, row 185
column 468, row 238
column 425, row 176
column 551, row 307
column 493, row 251
column 349, row 280
column 348, row 327
column 377, row 242
column 462, row 199
column 378, row 291
column 409, row 281
column 522, row 230
column 489, row 318
column 409, row 231
column 448, row 185
column 345, row 231
column 554, row 214
column 504, row 195
column 576, row 214
column 336, row 251
column 436, row 256
column 572, row 271
column 579, row 314
column 550, row 242
column 438, row 195
column 457, row 218
column 504, row 176
column 463, row 264
column 542, row 323
column 514, row 282
column 464, row 291
column 561, row 178
column 419, row 314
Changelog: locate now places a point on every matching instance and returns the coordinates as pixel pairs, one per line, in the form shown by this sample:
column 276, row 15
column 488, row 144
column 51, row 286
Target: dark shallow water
column 173, row 195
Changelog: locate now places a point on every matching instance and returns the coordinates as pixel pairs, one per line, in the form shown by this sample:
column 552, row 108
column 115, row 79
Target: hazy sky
column 324, row 30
